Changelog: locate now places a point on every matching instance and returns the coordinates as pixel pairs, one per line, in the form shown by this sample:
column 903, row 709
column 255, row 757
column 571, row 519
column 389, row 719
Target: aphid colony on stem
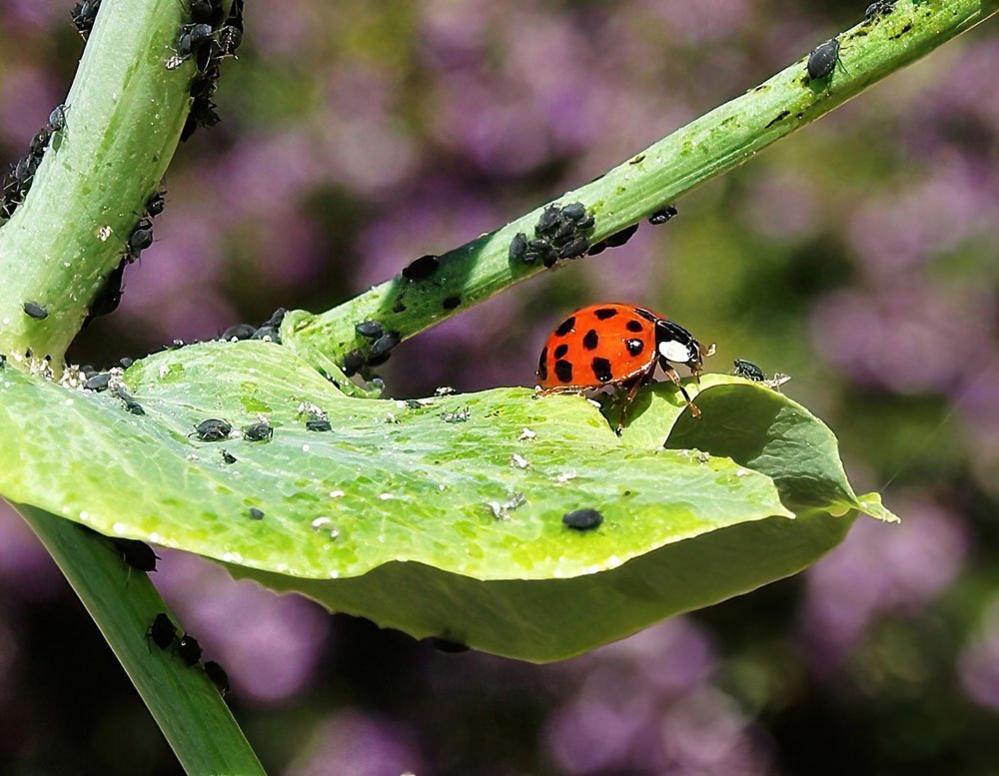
column 163, row 633
column 21, row 174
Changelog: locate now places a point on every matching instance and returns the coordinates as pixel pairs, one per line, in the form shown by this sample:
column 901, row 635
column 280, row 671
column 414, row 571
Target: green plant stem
column 708, row 146
column 124, row 115
column 123, row 602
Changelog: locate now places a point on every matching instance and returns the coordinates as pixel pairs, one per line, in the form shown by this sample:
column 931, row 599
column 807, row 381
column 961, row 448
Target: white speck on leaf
column 320, row 522
column 336, row 493
column 526, row 434
column 519, row 461
column 564, row 477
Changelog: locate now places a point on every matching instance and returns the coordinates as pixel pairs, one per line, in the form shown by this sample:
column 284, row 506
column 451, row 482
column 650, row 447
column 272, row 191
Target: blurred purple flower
column 880, row 569
column 269, row 644
column 703, row 22
column 27, row 96
column 782, row 206
column 979, row 405
column 978, row 662
column 356, row 744
column 21, row 15
column 909, row 338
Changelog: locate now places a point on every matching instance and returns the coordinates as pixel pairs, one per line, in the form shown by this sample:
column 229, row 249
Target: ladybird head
column 677, row 345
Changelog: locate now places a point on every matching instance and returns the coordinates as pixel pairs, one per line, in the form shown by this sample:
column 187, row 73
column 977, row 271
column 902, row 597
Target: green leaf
column 442, row 517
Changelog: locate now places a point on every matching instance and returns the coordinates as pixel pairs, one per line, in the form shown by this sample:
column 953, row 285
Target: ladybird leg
column 629, row 397
column 671, row 373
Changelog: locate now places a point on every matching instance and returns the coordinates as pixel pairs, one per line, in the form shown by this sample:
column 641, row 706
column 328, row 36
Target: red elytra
column 617, row 345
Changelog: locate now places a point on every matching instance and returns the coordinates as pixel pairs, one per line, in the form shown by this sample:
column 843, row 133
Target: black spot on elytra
column 591, row 339
column 561, row 350
column 566, row 326
column 543, row 365
column 605, row 312
column 635, row 346
column 602, row 370
column 563, row 369
column 633, row 325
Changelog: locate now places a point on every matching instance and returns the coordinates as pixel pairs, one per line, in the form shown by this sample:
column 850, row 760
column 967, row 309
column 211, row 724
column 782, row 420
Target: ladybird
column 617, row 345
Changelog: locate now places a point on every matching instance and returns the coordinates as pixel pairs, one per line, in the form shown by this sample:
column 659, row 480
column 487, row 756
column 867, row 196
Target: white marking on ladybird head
column 674, row 350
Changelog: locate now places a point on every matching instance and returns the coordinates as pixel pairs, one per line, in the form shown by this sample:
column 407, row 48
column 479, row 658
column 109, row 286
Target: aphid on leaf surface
column 57, row 118
column 261, row 431
column 822, row 59
column 136, row 554
column 582, row 519
column 421, row 268
column 131, row 405
column 84, row 14
column 35, row 310
column 125, row 362
column 383, row 346
column 748, row 369
column 575, row 211
column 617, row 345
column 663, row 215
column 518, row 247
column 448, row 646
column 318, row 424
column 189, row 649
column 352, row 362
column 267, row 333
column 212, row 430
column 218, row 677
column 156, row 204
column 109, row 297
column 240, row 331
column 451, row 302
column 369, row 329
column 193, row 38
column 879, row 8
column 161, row 631
column 256, row 514
column 228, row 457
column 140, row 238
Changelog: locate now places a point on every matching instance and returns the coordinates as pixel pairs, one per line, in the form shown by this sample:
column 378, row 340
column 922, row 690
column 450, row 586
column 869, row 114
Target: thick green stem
column 123, row 602
column 709, row 146
column 124, row 115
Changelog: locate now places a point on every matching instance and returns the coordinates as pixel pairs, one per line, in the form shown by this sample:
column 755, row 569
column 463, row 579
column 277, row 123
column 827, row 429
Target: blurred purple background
column 859, row 256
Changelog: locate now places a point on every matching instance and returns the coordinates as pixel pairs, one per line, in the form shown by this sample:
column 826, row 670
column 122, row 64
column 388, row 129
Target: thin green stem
column 123, row 602
column 708, row 146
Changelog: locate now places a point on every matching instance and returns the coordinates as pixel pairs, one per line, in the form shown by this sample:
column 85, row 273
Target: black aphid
column 549, row 219
column 228, row 457
column 352, row 362
column 218, row 677
column 448, row 646
column 577, row 247
column 451, row 302
column 161, row 631
column 189, row 649
column 267, row 332
column 575, row 211
column 109, row 297
column 131, row 405
column 241, row 331
column 125, row 362
column 136, row 554
column 620, row 238
column 662, row 216
column 879, row 8
column 383, row 345
column 193, row 37
column 213, row 430
column 748, row 369
column 84, row 14
column 276, row 319
column 40, row 141
column 35, row 310
column 230, row 39
column 822, row 59
column 211, row 12
column 98, row 382
column 256, row 514
column 140, row 238
column 155, row 204
column 421, row 268
column 261, row 431
column 318, row 424
column 57, row 118
column 369, row 329
column 518, row 247
column 582, row 519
